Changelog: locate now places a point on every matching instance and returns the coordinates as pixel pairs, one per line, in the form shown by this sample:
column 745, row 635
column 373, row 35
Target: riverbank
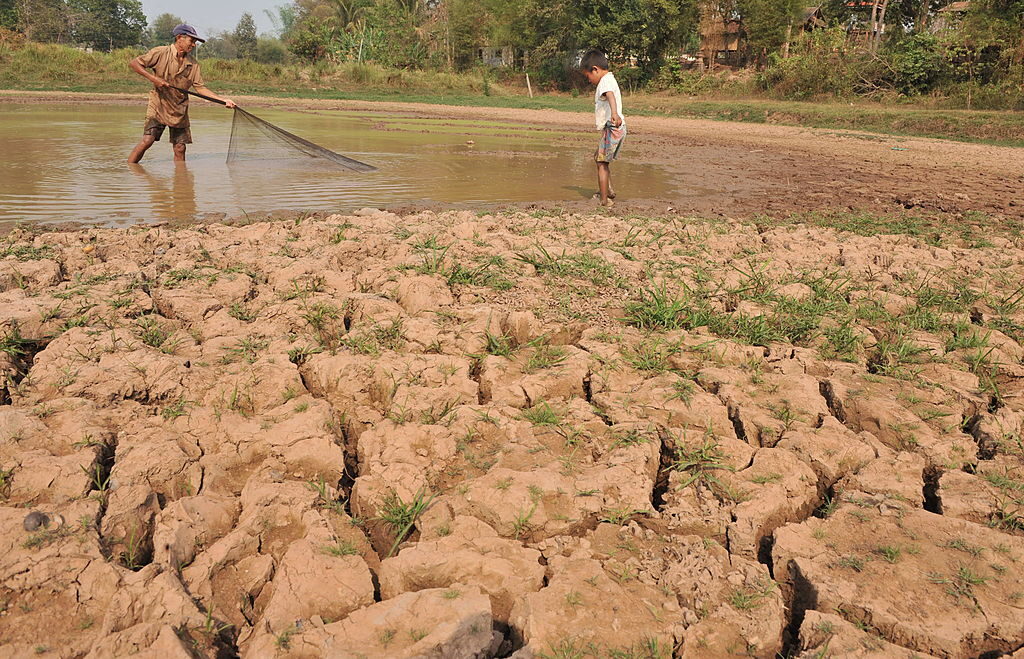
column 38, row 67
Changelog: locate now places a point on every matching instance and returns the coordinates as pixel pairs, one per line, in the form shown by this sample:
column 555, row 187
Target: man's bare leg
column 179, row 152
column 141, row 148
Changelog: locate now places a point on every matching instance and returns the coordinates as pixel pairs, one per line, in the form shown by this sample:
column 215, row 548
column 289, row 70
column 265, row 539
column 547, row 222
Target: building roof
column 962, row 5
column 813, row 15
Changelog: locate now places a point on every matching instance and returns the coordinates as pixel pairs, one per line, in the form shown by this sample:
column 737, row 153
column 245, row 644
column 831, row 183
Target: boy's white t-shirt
column 602, row 108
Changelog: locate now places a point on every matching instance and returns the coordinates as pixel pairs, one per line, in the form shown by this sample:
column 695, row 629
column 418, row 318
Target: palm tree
column 348, row 13
column 411, row 9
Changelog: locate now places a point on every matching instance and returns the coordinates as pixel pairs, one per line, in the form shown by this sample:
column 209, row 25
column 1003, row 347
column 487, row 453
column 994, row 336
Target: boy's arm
column 616, row 118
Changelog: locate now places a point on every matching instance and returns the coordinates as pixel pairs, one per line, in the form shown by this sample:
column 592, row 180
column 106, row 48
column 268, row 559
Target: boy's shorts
column 611, row 142
column 179, row 135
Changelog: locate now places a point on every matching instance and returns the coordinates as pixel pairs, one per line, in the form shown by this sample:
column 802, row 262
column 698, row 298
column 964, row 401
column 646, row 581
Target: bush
column 629, row 77
column 312, row 41
column 11, row 40
column 1007, row 95
column 558, row 72
column 221, row 46
column 918, row 65
column 822, row 64
column 271, row 51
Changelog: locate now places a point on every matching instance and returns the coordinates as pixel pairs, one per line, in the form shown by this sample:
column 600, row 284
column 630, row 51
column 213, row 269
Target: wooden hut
column 720, row 39
column 950, row 17
column 812, row 19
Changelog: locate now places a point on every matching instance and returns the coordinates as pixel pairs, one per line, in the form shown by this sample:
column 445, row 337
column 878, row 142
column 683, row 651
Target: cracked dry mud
column 528, row 435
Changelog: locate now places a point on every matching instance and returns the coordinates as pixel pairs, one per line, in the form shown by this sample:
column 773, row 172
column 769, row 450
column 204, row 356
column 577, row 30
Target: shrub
column 917, row 64
column 822, row 63
column 271, row 51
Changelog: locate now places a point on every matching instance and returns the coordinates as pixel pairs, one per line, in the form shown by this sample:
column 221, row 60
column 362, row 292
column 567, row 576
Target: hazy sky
column 209, row 17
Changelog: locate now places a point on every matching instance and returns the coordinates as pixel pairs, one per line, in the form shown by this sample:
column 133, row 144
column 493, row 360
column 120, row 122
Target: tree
column 44, row 20
column 283, row 18
column 768, row 25
column 992, row 41
column 8, row 15
column 411, row 8
column 467, row 26
column 245, row 37
column 348, row 13
column 643, row 30
column 220, row 46
column 106, row 24
column 160, row 31
column 311, row 39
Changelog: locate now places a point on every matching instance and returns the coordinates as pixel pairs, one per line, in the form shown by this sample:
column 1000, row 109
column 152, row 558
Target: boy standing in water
column 607, row 117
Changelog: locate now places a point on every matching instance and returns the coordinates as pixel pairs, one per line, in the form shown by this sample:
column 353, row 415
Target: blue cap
column 188, row 31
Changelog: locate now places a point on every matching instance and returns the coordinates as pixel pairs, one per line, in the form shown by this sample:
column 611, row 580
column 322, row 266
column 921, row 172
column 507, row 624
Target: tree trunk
column 921, row 22
column 874, row 24
column 785, row 44
column 881, row 25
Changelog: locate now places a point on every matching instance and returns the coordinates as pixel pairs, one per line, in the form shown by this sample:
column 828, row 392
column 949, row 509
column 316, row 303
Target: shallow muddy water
column 67, row 163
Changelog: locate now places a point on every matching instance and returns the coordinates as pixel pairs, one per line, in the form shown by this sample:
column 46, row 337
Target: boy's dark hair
column 594, row 58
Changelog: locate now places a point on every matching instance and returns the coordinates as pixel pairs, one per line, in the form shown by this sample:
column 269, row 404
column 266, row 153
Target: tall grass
column 53, row 66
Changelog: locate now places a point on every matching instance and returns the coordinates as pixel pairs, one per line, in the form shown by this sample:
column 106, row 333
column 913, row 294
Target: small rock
column 36, row 520
column 89, row 249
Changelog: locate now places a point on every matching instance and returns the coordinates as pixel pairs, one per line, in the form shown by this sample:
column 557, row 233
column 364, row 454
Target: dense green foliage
column 975, row 58
column 101, row 24
column 769, row 24
column 8, row 15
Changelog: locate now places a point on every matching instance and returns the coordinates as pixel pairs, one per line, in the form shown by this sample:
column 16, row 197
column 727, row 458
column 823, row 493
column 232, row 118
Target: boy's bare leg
column 141, row 148
column 604, row 182
column 611, row 193
column 179, row 152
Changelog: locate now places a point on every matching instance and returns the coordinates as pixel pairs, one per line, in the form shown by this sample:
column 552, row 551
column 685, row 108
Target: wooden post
column 529, row 87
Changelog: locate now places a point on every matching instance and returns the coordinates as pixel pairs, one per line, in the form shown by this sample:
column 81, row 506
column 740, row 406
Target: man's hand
column 228, row 102
column 160, row 83
column 616, row 120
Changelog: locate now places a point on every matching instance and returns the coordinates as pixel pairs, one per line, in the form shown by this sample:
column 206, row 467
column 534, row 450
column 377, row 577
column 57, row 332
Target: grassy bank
column 43, row 67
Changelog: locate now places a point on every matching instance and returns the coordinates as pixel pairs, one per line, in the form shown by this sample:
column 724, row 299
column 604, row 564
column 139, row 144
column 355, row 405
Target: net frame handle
column 202, row 96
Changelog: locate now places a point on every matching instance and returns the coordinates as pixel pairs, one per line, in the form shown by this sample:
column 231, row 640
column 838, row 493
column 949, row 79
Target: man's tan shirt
column 169, row 106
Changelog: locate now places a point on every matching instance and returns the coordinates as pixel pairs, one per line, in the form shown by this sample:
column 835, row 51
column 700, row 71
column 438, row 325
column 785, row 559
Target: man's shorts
column 181, row 135
column 611, row 142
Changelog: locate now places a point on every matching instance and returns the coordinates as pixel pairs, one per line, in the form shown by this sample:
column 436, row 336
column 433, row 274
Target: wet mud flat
column 528, row 434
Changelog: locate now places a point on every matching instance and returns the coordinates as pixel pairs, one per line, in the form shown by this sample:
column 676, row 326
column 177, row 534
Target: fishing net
column 253, row 138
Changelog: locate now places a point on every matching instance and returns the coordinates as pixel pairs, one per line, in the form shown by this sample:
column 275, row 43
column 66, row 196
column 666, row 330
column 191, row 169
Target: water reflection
column 172, row 198
column 462, row 163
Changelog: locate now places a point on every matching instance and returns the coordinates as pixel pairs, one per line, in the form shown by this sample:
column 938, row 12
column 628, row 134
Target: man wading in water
column 172, row 66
